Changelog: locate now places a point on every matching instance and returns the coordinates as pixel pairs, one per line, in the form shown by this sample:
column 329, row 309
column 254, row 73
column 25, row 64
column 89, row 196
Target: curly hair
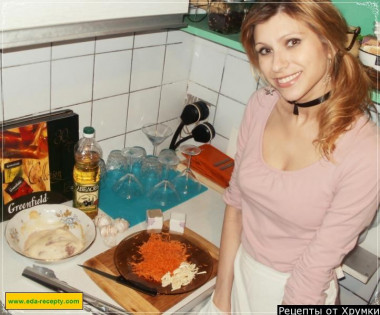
column 350, row 86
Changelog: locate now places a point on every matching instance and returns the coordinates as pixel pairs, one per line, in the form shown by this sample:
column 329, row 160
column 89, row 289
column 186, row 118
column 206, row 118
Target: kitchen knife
column 121, row 280
column 60, row 286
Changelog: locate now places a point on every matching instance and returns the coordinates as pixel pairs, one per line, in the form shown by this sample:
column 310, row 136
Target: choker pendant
column 314, row 102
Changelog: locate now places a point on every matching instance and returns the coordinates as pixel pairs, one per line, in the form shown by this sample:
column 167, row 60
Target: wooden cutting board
column 134, row 301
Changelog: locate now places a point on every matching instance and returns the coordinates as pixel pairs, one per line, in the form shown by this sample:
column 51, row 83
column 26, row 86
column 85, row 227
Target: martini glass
column 129, row 186
column 186, row 182
column 156, row 133
column 164, row 193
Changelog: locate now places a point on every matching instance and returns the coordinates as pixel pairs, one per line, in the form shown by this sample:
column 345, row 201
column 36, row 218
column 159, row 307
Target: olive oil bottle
column 86, row 173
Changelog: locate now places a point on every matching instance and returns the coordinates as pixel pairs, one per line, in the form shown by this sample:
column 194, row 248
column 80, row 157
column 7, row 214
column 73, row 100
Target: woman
column 305, row 182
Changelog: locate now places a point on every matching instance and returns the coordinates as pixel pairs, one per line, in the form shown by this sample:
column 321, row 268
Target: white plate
column 49, row 217
column 368, row 59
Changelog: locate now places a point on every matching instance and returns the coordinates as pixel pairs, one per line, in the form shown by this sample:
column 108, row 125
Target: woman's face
column 292, row 58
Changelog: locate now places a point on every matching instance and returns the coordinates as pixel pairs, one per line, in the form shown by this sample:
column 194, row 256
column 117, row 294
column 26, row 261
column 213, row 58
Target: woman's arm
column 229, row 245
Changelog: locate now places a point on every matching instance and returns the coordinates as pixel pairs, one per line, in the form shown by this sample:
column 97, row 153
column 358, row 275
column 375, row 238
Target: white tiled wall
column 119, row 83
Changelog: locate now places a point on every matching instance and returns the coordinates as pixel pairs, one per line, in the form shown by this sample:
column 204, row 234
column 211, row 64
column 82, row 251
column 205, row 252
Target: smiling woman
column 306, row 181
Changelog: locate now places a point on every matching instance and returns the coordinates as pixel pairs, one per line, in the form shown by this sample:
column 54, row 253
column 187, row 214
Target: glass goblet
column 151, row 171
column 129, row 186
column 186, row 182
column 164, row 193
column 156, row 133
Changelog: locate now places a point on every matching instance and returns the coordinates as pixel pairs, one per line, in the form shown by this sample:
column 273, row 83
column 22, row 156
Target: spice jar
column 226, row 16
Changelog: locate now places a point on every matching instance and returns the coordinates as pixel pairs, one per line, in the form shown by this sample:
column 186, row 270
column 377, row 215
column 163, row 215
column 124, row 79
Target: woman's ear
column 331, row 51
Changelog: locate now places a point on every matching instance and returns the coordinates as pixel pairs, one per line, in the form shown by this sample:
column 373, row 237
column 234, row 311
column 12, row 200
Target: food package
column 177, row 223
column 213, row 164
column 37, row 160
column 154, row 220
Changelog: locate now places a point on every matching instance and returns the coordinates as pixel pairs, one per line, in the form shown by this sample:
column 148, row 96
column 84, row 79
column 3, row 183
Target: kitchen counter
column 204, row 215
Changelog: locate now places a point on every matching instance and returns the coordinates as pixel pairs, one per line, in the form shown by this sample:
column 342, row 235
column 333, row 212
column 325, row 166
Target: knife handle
column 137, row 286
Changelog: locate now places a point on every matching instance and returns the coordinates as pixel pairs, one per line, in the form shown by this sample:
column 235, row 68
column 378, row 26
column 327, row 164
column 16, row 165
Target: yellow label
column 43, row 301
column 86, row 196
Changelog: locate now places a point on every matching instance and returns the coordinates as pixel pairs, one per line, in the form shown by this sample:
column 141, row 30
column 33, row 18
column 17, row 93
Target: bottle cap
column 88, row 132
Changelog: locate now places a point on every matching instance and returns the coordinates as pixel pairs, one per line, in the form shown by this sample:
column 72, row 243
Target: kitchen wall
column 117, row 84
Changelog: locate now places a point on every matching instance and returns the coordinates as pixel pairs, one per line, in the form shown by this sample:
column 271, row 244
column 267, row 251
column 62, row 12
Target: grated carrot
column 159, row 255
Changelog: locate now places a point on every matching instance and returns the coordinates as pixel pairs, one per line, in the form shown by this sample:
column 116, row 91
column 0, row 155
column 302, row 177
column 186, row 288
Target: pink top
column 305, row 221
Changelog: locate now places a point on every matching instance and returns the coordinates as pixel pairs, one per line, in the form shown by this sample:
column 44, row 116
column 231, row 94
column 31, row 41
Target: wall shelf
column 202, row 30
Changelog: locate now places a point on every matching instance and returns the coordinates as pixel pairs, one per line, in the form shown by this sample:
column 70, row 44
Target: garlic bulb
column 102, row 220
column 121, row 225
column 108, row 230
column 110, row 241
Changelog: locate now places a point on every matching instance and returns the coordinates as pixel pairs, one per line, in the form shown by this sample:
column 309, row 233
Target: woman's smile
column 288, row 80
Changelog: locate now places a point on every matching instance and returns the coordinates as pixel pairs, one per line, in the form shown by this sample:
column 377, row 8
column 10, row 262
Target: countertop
column 204, row 215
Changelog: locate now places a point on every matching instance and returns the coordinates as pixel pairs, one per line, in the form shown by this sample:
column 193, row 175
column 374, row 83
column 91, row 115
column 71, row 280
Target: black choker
column 317, row 101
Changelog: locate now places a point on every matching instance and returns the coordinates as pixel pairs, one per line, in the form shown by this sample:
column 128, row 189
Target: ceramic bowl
column 368, row 59
column 50, row 225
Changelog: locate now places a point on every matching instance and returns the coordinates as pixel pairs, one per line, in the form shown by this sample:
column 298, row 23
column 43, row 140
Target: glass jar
column 226, row 16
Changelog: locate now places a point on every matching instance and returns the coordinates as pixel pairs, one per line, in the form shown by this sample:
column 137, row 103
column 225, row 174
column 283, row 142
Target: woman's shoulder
column 362, row 141
column 263, row 99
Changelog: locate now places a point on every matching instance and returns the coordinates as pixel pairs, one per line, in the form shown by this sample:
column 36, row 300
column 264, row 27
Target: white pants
column 258, row 288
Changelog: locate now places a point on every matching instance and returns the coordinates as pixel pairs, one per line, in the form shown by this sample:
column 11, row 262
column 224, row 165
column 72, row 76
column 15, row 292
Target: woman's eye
column 293, row 42
column 264, row 51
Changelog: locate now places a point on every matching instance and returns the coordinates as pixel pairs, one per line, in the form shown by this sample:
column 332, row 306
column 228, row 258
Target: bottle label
column 86, row 197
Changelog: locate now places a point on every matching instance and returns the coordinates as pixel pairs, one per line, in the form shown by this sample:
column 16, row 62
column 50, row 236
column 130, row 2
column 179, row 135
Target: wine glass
column 156, row 133
column 151, row 170
column 129, row 186
column 164, row 193
column 186, row 182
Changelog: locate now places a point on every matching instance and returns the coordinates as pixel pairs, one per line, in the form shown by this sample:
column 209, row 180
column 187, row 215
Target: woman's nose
column 279, row 62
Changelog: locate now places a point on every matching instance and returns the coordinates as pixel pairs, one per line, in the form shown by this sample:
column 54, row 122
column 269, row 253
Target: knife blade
column 60, row 286
column 121, row 280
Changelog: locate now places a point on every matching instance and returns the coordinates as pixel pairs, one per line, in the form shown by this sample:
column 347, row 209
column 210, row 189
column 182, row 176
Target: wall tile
column 203, row 93
column 26, row 89
column 143, row 108
column 238, row 70
column 211, row 116
column 145, row 39
column 176, row 36
column 112, row 73
column 71, row 81
column 172, row 100
column 114, row 43
column 1, row 95
column 147, row 67
column 237, row 54
column 17, row 56
column 208, row 63
column 220, row 143
column 74, row 48
column 84, row 111
column 109, row 116
column 177, row 62
column 107, row 145
column 228, row 114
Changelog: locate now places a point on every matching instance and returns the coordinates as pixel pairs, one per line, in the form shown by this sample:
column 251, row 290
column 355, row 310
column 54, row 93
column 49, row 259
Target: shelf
column 202, row 30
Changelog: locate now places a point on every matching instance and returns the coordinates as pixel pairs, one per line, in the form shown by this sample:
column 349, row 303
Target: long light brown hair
column 350, row 93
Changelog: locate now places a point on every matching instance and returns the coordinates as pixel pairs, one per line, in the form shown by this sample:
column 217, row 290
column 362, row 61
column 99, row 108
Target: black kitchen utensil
column 121, row 280
column 202, row 133
column 192, row 113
